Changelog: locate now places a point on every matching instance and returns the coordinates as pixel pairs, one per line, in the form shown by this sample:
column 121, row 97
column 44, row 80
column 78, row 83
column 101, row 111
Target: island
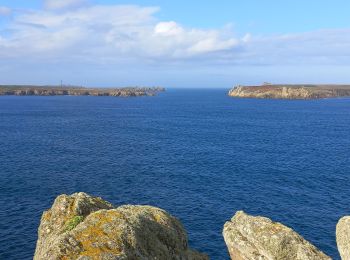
column 289, row 91
column 28, row 90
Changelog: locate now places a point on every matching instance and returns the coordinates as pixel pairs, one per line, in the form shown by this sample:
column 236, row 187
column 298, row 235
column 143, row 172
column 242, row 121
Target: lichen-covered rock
column 63, row 215
column 343, row 237
column 84, row 227
column 258, row 238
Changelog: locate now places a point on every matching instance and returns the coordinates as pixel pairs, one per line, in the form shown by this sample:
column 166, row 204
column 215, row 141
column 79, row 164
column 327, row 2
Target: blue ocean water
column 198, row 154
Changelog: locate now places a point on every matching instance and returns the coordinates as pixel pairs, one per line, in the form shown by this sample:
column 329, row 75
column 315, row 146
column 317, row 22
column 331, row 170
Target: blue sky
column 174, row 43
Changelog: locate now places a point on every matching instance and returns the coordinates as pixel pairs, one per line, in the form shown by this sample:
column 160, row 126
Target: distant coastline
column 29, row 90
column 288, row 91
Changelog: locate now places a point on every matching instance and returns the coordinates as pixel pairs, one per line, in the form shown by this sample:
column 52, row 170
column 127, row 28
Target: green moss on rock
column 73, row 222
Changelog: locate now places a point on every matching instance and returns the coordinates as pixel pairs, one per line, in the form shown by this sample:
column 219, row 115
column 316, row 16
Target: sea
column 196, row 153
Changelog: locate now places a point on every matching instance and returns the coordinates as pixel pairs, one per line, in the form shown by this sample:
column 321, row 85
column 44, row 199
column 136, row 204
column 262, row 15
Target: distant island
column 288, row 91
column 21, row 90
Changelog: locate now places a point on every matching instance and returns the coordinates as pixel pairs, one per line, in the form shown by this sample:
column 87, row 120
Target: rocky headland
column 83, row 227
column 78, row 91
column 290, row 91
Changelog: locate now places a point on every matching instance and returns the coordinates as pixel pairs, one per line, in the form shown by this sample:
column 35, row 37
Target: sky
column 197, row 44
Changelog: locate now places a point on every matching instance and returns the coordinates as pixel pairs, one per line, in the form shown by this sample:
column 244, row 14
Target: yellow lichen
column 47, row 215
column 158, row 218
column 94, row 240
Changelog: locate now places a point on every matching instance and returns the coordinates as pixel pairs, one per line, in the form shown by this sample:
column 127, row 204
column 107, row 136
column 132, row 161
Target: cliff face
column 290, row 91
column 84, row 227
column 258, row 238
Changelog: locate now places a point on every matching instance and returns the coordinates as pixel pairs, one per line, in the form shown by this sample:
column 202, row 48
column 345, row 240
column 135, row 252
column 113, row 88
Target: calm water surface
column 196, row 153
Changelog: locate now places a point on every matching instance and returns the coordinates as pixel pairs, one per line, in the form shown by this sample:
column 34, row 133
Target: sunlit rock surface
column 257, row 238
column 343, row 237
column 84, row 227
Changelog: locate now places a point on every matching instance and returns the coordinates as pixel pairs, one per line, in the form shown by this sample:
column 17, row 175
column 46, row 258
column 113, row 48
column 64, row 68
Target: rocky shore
column 290, row 91
column 78, row 91
column 83, row 227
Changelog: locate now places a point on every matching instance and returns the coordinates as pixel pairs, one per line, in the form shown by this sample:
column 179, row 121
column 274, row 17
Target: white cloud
column 62, row 4
column 213, row 44
column 109, row 32
column 168, row 28
column 5, row 11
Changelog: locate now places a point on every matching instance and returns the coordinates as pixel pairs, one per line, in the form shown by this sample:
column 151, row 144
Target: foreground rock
column 290, row 91
column 84, row 227
column 343, row 237
column 250, row 238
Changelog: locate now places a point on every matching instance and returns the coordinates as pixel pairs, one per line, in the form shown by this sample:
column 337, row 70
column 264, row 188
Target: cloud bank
column 109, row 32
column 71, row 32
